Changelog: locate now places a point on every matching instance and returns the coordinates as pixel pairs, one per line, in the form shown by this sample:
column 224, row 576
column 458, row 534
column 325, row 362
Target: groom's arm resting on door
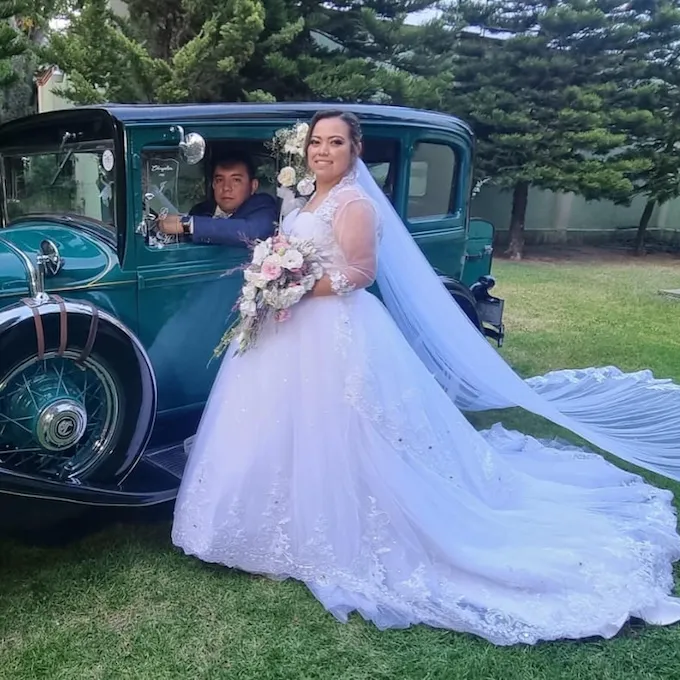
column 253, row 221
column 355, row 230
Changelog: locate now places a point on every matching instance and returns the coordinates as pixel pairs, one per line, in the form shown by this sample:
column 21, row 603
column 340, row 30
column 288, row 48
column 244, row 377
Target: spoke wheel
column 58, row 418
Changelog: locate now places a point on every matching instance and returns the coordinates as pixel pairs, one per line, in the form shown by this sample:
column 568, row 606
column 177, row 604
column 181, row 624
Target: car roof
column 138, row 113
column 133, row 114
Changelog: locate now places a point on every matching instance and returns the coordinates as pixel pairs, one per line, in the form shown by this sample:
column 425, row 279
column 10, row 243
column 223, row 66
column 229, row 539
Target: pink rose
column 282, row 315
column 271, row 270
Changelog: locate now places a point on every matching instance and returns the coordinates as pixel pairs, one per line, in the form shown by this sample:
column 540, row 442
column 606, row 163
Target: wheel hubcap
column 61, row 424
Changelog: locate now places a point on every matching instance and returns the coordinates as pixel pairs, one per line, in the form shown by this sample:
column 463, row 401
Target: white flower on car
column 301, row 132
column 292, row 147
column 287, row 176
column 305, row 186
column 292, row 259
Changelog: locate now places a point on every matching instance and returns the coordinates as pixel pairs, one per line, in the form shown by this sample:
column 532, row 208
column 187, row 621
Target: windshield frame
column 44, row 133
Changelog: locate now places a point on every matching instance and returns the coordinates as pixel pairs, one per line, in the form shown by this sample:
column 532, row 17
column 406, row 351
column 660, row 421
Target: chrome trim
column 61, row 425
column 73, row 501
column 4, row 208
column 31, row 270
column 49, row 259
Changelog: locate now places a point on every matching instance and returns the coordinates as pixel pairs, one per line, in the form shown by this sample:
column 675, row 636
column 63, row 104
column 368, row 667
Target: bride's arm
column 354, row 228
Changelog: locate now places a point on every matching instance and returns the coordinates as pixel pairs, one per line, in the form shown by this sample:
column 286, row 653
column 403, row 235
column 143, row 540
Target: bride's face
column 329, row 154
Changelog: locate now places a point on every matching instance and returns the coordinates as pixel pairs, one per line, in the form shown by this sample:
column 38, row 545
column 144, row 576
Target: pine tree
column 646, row 103
column 195, row 50
column 29, row 19
column 12, row 43
column 533, row 78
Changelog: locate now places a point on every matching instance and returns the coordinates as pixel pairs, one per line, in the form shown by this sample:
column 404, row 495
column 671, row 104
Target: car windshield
column 73, row 180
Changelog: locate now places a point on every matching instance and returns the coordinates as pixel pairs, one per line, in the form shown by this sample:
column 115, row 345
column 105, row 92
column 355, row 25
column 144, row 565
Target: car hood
column 87, row 256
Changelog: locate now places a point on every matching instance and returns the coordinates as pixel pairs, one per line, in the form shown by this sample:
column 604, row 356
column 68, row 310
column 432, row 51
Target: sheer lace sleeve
column 355, row 229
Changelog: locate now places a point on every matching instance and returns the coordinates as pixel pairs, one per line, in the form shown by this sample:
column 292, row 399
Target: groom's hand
column 172, row 224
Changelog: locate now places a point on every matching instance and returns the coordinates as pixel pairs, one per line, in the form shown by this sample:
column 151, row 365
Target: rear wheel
column 466, row 301
column 68, row 416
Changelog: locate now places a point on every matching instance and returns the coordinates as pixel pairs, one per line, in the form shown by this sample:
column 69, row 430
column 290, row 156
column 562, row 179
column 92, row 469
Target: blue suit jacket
column 253, row 220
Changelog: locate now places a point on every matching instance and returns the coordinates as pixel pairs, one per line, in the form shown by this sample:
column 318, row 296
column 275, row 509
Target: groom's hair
column 232, row 158
column 349, row 119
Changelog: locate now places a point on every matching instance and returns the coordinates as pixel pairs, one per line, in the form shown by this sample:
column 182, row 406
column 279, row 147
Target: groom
column 235, row 215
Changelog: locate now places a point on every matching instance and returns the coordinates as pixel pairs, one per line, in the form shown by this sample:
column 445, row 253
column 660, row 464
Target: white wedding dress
column 330, row 454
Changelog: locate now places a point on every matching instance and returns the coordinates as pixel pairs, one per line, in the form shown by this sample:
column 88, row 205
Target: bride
column 334, row 451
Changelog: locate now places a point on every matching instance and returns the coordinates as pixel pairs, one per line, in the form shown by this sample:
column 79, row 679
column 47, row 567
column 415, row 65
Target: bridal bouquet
column 281, row 272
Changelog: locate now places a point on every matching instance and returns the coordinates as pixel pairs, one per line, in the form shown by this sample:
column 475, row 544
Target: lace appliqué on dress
column 340, row 284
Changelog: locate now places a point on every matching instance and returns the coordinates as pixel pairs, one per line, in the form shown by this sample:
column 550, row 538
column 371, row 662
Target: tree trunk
column 642, row 227
column 520, row 198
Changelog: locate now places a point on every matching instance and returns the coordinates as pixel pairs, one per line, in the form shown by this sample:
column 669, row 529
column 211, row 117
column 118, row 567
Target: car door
column 433, row 197
column 185, row 291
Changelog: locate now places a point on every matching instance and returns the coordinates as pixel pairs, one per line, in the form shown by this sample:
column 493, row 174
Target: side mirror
column 191, row 146
column 49, row 258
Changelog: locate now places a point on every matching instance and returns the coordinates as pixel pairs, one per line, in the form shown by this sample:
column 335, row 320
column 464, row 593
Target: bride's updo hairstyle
column 353, row 125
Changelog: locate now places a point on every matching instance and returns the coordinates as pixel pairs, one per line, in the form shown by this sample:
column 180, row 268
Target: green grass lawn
column 123, row 604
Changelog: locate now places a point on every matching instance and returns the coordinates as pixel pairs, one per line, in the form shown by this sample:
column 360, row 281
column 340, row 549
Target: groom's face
column 232, row 186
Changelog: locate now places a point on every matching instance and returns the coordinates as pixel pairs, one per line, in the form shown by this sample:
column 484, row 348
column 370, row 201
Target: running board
column 172, row 459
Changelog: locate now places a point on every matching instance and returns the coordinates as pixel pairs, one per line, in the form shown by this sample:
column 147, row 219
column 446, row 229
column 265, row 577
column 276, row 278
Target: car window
column 380, row 155
column 431, row 180
column 176, row 185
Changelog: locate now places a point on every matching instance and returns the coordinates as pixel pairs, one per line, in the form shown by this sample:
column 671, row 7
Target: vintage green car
column 107, row 325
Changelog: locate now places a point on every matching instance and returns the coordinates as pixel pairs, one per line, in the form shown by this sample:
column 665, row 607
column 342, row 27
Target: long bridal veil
column 633, row 416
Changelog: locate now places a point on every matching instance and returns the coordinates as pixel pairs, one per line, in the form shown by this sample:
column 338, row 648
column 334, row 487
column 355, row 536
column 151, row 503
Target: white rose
column 305, row 186
column 248, row 308
column 287, row 176
column 272, row 298
column 292, row 259
column 249, row 291
column 317, row 270
column 258, row 281
column 293, row 295
column 307, row 248
column 309, row 281
column 260, row 251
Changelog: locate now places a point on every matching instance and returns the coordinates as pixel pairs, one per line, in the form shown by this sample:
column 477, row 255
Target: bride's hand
column 322, row 287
